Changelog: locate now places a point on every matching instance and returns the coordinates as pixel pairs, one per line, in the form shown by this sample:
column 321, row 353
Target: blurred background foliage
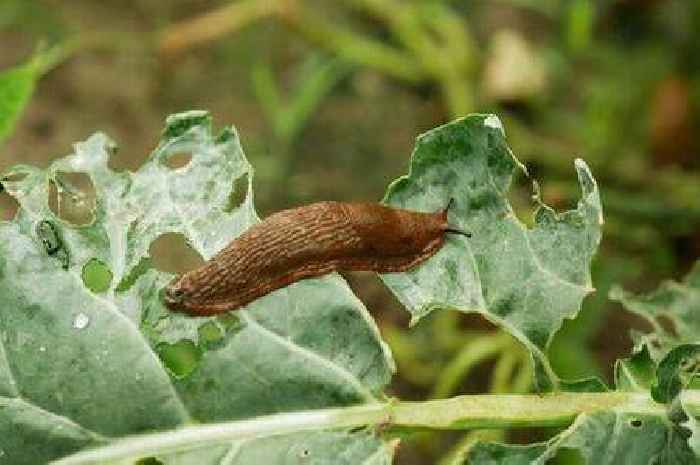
column 328, row 98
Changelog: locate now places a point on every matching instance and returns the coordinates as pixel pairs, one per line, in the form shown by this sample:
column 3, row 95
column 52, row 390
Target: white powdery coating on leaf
column 494, row 122
column 122, row 329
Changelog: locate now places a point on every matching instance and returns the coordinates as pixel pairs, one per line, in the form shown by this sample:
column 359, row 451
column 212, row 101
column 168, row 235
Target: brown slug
column 305, row 242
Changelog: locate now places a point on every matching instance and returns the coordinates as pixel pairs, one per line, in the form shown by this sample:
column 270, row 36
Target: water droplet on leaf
column 81, row 321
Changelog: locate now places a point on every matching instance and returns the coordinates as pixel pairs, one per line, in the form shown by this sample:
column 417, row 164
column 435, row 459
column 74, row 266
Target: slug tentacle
column 306, row 242
column 458, row 231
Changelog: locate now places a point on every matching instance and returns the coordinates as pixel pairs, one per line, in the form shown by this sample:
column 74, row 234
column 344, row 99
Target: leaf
column 318, row 448
column 678, row 302
column 665, row 434
column 636, row 373
column 669, row 383
column 82, row 368
column 17, row 84
column 607, row 438
column 16, row 87
column 526, row 280
column 676, row 350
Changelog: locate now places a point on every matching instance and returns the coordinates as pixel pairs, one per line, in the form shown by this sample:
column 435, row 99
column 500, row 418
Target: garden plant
column 95, row 370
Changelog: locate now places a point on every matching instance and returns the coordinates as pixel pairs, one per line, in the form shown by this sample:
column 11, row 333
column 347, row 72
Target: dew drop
column 81, row 321
column 42, row 349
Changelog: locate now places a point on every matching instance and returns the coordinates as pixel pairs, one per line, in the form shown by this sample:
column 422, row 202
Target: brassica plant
column 95, row 370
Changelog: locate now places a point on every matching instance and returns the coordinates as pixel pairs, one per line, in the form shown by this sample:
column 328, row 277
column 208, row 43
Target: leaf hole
column 567, row 456
column 210, row 334
column 180, row 358
column 171, row 252
column 520, row 198
column 149, row 461
column 13, row 177
column 96, row 276
column 636, row 423
column 8, row 206
column 239, row 192
column 231, row 323
column 690, row 365
column 667, row 324
column 72, row 198
column 136, row 272
column 178, row 160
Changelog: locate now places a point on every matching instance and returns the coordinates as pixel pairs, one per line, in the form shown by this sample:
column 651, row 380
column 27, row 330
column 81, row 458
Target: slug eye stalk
column 450, row 204
column 458, row 231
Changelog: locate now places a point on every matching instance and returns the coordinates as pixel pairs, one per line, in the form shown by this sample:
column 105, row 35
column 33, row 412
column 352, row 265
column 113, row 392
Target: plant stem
column 474, row 352
column 463, row 412
column 352, row 46
column 503, row 373
column 514, row 410
column 214, row 24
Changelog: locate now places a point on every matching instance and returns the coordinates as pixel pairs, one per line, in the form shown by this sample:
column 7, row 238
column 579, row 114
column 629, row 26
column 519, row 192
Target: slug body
column 305, row 242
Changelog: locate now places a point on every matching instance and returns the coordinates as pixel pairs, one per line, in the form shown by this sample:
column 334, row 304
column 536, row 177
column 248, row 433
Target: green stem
column 515, row 410
column 355, row 48
column 475, row 351
column 448, row 63
column 524, row 376
column 463, row 412
column 456, row 93
column 503, row 372
column 47, row 60
column 215, row 24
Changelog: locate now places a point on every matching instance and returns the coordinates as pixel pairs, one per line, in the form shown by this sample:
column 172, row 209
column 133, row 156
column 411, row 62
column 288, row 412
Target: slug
column 305, row 242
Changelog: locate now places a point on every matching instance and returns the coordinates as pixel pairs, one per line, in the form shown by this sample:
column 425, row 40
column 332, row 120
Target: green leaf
column 668, row 373
column 87, row 358
column 608, row 438
column 320, row 448
column 526, row 280
column 17, row 84
column 636, row 373
column 675, row 350
column 94, row 370
column 678, row 302
column 16, row 87
column 659, row 434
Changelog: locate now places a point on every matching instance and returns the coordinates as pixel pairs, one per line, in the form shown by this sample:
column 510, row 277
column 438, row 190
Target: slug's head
column 187, row 294
column 177, row 295
column 446, row 227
